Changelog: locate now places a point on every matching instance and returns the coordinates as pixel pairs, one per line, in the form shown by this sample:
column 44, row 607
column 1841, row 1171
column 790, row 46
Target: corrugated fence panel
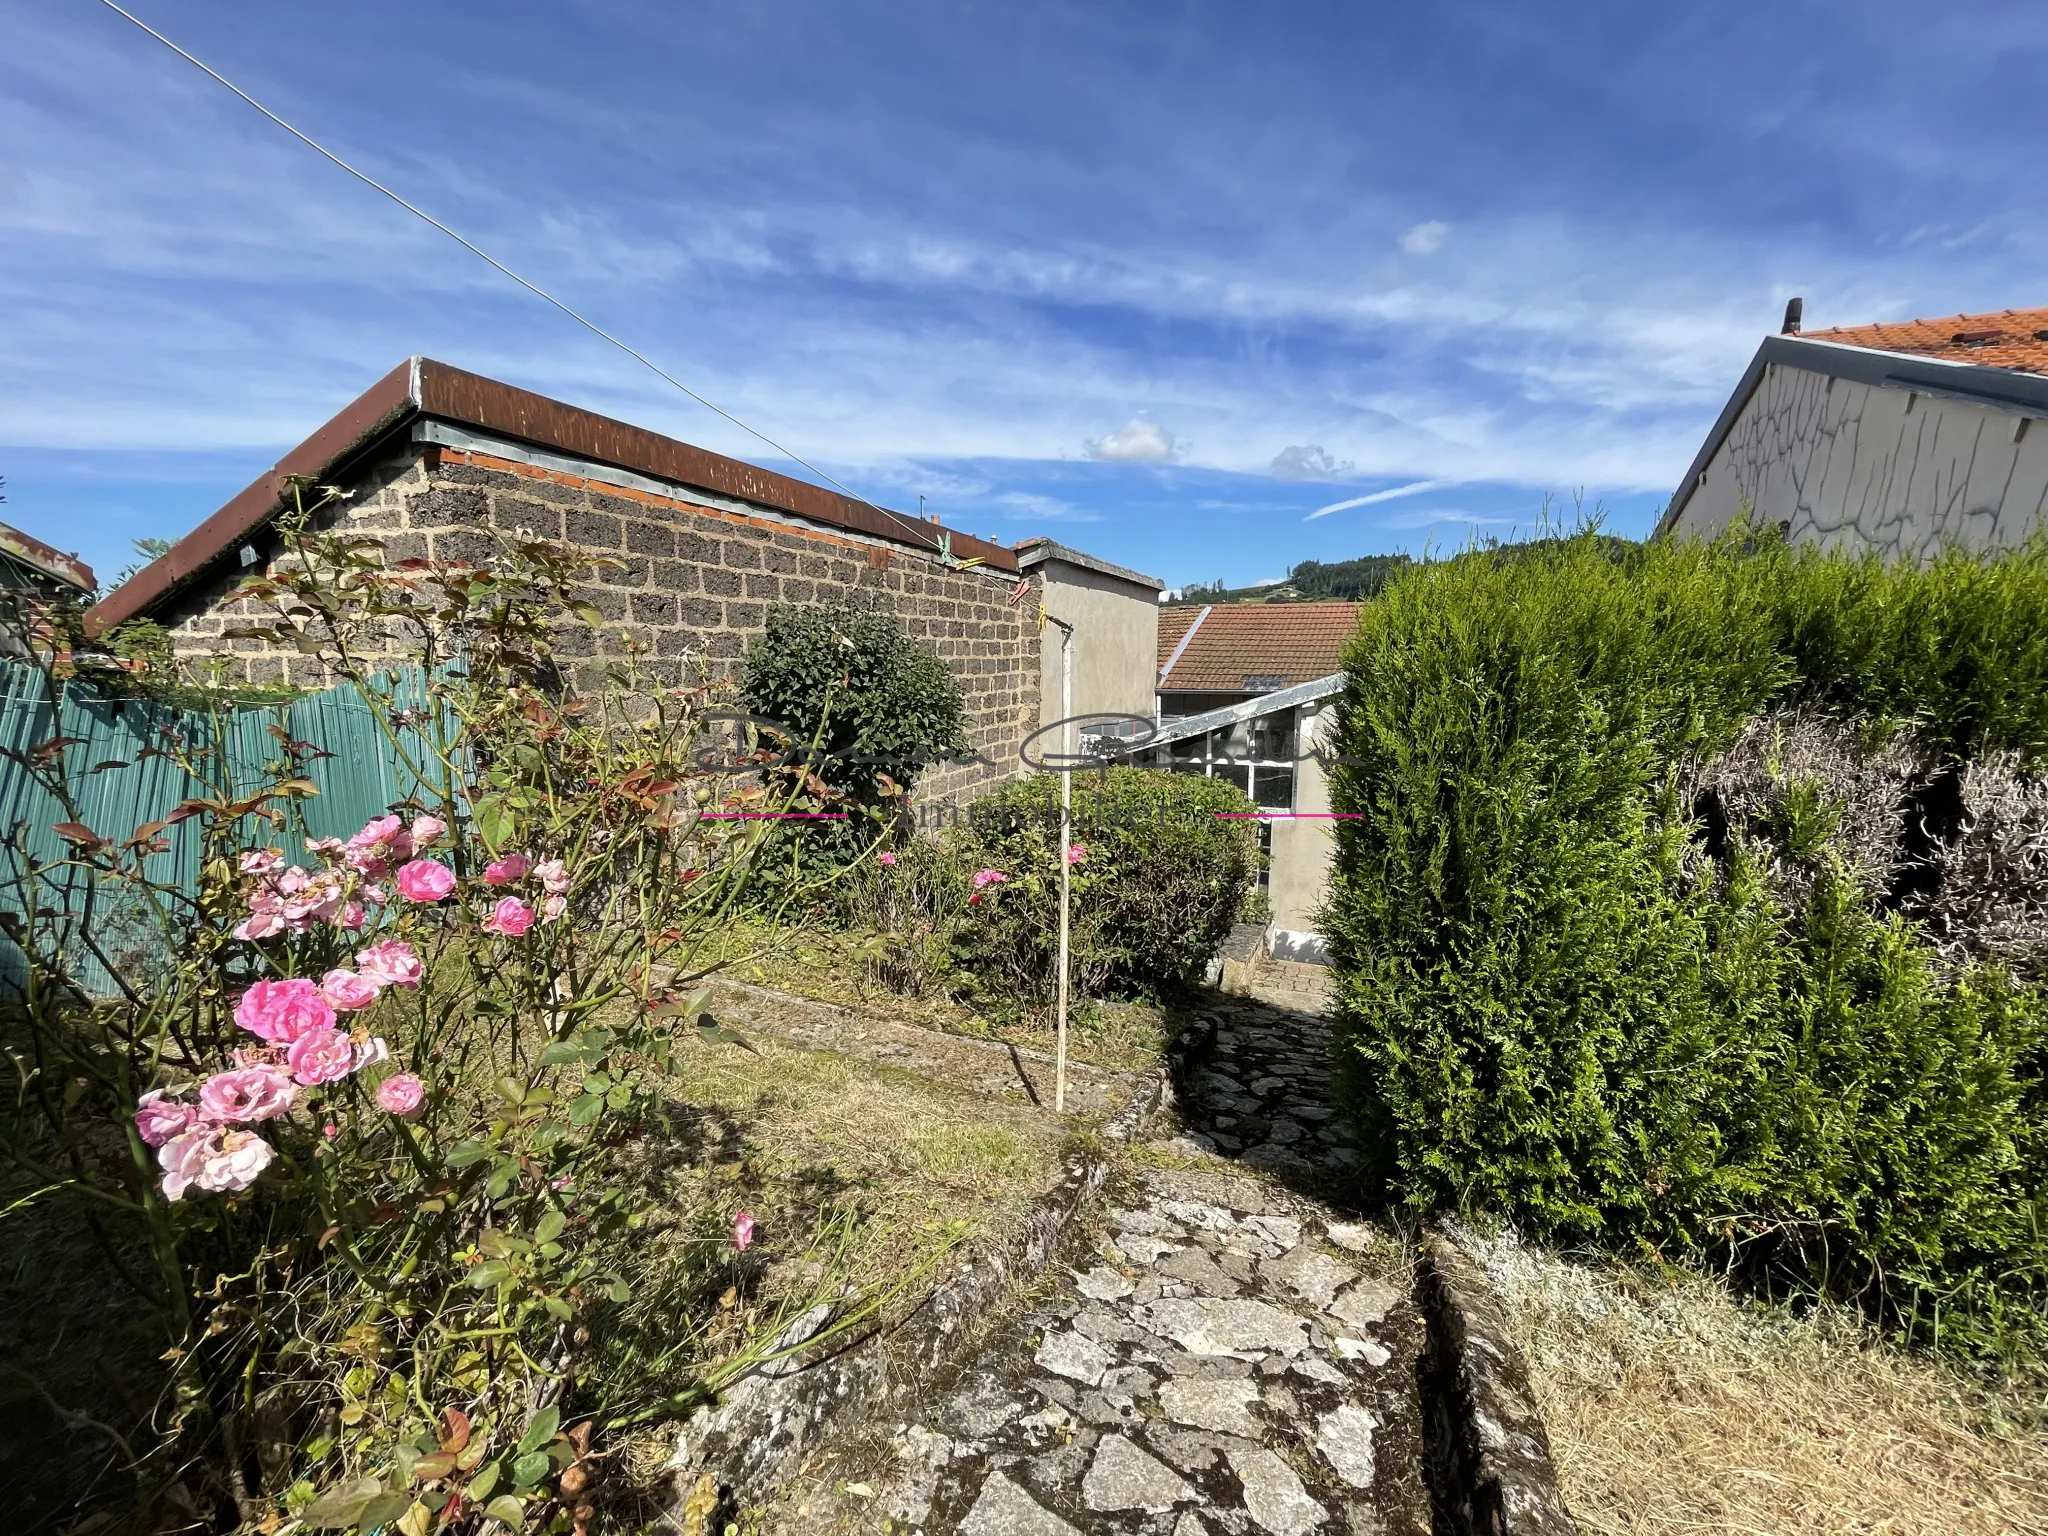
column 116, row 789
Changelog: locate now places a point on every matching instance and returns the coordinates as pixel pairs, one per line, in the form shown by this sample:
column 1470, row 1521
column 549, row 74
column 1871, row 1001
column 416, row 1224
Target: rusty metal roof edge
column 45, row 558
column 357, row 427
column 422, row 386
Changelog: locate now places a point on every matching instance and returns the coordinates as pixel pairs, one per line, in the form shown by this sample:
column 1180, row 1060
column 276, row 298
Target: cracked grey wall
column 1859, row 467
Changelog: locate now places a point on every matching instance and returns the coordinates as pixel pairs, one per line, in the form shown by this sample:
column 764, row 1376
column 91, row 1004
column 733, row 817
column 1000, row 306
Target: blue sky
column 1161, row 280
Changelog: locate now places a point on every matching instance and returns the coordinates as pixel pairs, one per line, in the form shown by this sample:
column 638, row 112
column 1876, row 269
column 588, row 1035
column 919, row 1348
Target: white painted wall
column 1298, row 878
column 1116, row 642
column 1864, row 466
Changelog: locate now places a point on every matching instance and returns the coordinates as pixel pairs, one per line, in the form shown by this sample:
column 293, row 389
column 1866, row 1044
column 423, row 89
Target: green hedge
column 1162, row 880
column 1556, row 1003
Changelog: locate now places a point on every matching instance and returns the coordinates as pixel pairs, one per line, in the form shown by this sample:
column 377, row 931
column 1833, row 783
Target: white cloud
column 1426, row 239
column 1041, row 508
column 1392, row 493
column 1137, row 441
column 1309, row 462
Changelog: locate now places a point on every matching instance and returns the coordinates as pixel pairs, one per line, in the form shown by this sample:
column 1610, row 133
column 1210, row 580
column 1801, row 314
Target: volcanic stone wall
column 695, row 583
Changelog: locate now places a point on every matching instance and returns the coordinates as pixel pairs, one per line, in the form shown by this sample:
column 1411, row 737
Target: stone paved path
column 1233, row 1357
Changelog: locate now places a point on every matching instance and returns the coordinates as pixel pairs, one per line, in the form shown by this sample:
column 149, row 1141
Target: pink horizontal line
column 1291, row 815
column 775, row 815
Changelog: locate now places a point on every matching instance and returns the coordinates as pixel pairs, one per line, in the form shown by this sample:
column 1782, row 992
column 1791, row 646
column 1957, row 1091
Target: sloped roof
column 2004, row 338
column 423, row 388
column 44, row 559
column 1275, row 645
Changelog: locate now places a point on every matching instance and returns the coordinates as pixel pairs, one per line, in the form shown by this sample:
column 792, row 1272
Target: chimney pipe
column 1795, row 311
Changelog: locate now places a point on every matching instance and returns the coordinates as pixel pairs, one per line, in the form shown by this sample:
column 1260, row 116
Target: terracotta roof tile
column 1279, row 644
column 2006, row 338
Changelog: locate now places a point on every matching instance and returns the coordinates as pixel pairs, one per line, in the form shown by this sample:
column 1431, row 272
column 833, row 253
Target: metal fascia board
column 1184, row 639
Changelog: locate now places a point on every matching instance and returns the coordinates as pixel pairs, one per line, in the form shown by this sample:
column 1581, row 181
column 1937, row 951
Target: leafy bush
column 1566, row 998
column 878, row 706
column 1158, row 879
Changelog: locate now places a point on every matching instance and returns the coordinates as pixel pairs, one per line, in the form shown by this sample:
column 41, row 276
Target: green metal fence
column 118, row 788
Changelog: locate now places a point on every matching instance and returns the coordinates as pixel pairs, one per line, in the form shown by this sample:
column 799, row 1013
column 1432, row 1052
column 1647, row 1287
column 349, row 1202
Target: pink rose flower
column 158, row 1119
column 260, row 925
column 378, row 831
column 347, row 991
column 216, row 1158
column 371, row 861
column 352, row 916
column 425, row 880
column 1076, row 852
column 281, row 1011
column 319, row 902
column 888, row 860
column 321, row 1056
column 427, row 829
column 390, row 964
column 246, row 1096
column 261, row 861
column 988, row 877
column 324, row 845
column 368, row 1053
column 553, row 875
column 511, row 917
column 296, row 878
column 504, row 871
column 401, row 1094
column 742, row 1231
column 552, row 907
column 375, row 895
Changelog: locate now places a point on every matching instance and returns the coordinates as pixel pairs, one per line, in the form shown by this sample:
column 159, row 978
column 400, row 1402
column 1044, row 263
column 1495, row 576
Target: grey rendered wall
column 1299, row 876
column 1116, row 642
column 1862, row 466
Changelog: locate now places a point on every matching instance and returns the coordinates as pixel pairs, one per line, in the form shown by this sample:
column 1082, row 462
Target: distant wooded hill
column 1345, row 581
column 1351, row 581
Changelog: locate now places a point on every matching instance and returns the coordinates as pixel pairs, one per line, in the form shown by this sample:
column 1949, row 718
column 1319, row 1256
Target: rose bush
column 365, row 1106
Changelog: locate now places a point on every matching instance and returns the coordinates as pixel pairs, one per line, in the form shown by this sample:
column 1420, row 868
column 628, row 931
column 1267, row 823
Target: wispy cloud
column 1425, row 239
column 1309, row 462
column 1393, row 493
column 1137, row 441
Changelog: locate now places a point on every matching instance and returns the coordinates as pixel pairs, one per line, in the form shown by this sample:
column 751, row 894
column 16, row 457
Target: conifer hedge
column 1575, row 992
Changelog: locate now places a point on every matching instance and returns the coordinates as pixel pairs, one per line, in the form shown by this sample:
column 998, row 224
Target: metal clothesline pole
column 1059, row 1092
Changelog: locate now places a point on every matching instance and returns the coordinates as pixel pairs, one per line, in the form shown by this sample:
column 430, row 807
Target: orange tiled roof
column 1280, row 644
column 2006, row 338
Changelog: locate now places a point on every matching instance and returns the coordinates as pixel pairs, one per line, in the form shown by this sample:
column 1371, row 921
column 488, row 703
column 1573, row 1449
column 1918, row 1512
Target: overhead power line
column 922, row 534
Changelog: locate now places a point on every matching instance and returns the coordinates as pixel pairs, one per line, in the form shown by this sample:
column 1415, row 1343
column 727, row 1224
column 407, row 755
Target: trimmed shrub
column 1587, row 984
column 879, row 705
column 1158, row 879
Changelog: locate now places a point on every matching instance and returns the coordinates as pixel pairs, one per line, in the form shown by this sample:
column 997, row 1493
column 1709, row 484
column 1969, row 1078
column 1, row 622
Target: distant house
column 28, row 564
column 33, row 574
column 1244, row 695
column 1115, row 614
column 1901, row 438
column 1227, row 653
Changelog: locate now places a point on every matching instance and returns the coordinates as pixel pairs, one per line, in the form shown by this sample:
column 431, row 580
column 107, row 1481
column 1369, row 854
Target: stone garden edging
column 1494, row 1474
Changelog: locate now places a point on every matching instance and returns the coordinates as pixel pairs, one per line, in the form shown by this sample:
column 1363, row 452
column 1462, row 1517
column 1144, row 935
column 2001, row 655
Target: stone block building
column 441, row 464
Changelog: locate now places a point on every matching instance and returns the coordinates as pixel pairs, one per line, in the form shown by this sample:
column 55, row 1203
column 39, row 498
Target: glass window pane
column 1275, row 789
column 1236, row 773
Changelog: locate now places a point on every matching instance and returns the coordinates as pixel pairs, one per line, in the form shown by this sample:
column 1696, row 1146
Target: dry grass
column 828, row 966
column 911, row 1152
column 1674, row 1408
